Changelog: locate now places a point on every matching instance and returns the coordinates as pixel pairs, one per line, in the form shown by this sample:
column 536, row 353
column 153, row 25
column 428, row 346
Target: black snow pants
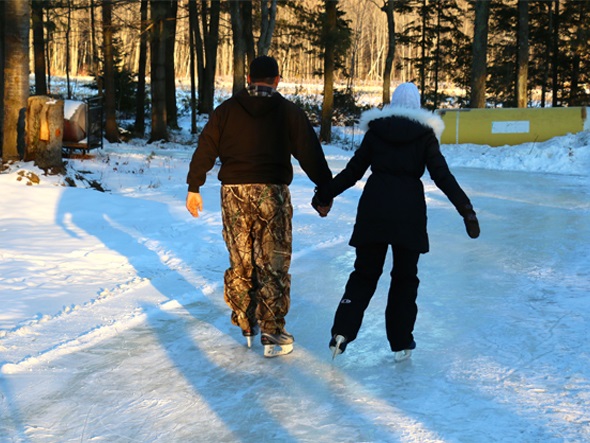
column 401, row 311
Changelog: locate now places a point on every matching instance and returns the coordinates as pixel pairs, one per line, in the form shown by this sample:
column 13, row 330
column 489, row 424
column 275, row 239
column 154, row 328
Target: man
column 254, row 134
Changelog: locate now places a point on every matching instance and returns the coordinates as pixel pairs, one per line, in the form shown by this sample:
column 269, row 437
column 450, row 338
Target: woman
column 400, row 142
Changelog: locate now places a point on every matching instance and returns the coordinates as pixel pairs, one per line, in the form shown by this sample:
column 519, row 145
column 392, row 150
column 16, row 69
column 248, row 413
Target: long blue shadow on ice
column 110, row 221
column 232, row 392
column 13, row 419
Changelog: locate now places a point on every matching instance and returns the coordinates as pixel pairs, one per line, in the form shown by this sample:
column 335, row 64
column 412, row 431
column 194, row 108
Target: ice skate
column 337, row 345
column 250, row 333
column 404, row 354
column 277, row 344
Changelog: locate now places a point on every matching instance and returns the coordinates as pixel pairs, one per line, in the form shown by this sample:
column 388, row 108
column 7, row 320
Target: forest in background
column 461, row 53
column 433, row 39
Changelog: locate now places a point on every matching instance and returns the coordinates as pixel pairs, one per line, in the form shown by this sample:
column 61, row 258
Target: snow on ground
column 113, row 326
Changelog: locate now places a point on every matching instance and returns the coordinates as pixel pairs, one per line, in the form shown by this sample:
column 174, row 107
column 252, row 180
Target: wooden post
column 45, row 124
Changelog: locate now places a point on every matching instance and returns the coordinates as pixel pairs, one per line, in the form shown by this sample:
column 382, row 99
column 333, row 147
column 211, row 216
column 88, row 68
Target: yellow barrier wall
column 502, row 126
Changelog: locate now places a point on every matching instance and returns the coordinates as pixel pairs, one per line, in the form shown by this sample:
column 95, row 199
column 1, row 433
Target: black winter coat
column 398, row 145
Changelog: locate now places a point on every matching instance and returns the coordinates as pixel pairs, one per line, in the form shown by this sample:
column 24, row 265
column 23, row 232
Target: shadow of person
column 12, row 420
column 130, row 229
column 233, row 383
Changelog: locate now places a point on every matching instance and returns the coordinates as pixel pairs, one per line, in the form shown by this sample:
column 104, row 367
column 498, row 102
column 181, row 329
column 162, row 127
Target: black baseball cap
column 264, row 67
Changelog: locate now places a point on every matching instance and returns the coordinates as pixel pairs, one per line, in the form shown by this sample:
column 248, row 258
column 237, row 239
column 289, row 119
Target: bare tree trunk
column 437, row 57
column 328, row 102
column 170, row 39
column 158, row 64
column 211, row 44
column 480, row 47
column 192, row 18
column 547, row 63
column 388, row 9
column 555, row 55
column 39, row 47
column 140, row 103
column 423, row 53
column 47, row 57
column 111, row 129
column 239, row 47
column 267, row 25
column 522, row 59
column 95, row 61
column 2, row 52
column 210, row 15
column 200, row 52
column 17, row 14
column 68, row 29
column 246, row 6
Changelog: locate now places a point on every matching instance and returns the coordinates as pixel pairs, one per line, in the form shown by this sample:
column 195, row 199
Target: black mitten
column 470, row 220
column 471, row 225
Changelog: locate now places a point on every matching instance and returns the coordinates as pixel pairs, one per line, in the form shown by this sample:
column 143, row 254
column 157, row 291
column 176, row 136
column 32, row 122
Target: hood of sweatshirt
column 261, row 103
column 398, row 124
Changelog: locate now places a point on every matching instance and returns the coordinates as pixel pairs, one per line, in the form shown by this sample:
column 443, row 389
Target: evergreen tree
column 502, row 50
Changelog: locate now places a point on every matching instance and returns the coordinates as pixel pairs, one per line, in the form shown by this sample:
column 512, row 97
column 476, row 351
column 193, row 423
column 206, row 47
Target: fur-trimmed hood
column 392, row 121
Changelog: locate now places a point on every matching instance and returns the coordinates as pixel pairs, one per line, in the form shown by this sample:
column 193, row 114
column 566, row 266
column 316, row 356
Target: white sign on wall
column 514, row 127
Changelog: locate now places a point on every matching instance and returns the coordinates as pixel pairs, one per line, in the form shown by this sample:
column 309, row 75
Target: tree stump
column 45, row 123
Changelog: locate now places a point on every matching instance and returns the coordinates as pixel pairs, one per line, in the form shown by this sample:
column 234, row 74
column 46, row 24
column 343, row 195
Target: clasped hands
column 321, row 207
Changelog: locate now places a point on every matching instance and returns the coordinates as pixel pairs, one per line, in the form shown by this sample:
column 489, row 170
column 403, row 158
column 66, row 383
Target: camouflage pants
column 257, row 231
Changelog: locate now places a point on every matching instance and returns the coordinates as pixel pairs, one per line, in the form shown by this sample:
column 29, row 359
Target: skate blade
column 402, row 355
column 276, row 350
column 336, row 349
column 249, row 341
